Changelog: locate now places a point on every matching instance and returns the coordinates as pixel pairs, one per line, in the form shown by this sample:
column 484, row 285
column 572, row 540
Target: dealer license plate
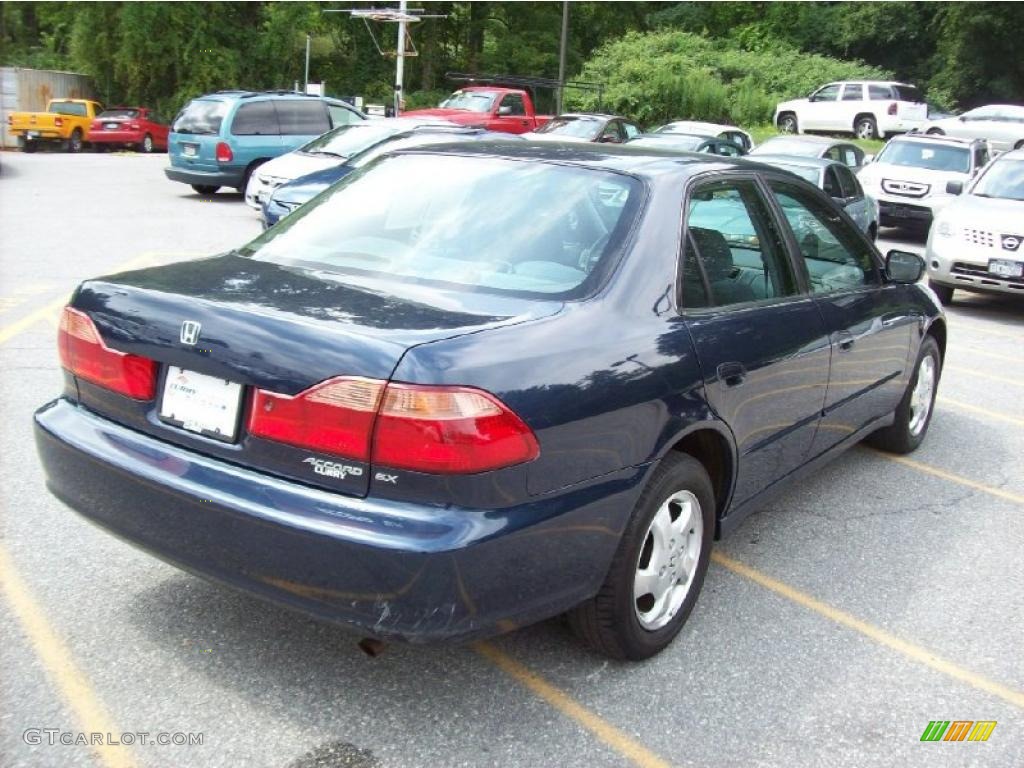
column 202, row 404
column 1006, row 268
column 111, row 126
column 190, row 150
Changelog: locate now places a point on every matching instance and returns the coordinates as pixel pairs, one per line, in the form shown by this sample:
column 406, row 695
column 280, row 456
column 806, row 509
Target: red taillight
column 134, row 126
column 448, row 430
column 83, row 352
column 335, row 416
column 442, row 430
column 892, row 108
column 58, row 121
column 224, row 153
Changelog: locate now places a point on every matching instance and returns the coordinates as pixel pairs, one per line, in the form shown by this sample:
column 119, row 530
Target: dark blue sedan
column 470, row 388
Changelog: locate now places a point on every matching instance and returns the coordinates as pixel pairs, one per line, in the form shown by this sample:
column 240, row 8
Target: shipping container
column 29, row 90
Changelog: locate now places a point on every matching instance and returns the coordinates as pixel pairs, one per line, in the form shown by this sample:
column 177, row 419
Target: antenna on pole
column 404, row 46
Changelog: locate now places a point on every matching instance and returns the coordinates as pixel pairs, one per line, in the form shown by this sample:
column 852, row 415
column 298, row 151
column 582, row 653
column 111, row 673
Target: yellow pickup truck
column 65, row 120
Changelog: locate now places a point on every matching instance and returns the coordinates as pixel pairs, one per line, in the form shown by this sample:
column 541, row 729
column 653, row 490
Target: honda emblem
column 190, row 332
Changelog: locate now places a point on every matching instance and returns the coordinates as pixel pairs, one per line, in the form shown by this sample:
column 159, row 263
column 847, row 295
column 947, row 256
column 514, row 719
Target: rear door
column 301, row 121
column 763, row 348
column 868, row 321
column 255, row 132
column 851, row 104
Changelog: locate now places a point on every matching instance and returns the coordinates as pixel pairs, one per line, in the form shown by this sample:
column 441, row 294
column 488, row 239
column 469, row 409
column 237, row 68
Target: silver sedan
column 1001, row 124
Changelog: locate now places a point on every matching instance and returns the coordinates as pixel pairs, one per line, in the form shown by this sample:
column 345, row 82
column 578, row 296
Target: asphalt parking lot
column 879, row 595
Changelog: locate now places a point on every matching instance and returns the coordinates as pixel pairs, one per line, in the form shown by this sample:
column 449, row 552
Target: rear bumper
column 222, row 177
column 384, row 568
column 116, row 137
column 35, row 134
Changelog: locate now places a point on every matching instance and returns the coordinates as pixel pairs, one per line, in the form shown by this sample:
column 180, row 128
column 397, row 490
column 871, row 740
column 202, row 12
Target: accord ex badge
column 190, row 332
column 1010, row 242
column 333, row 469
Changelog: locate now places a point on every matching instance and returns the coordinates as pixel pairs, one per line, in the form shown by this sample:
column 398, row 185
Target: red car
column 129, row 126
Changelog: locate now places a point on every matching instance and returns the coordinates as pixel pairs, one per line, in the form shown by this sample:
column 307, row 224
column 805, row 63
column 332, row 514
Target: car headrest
column 714, row 252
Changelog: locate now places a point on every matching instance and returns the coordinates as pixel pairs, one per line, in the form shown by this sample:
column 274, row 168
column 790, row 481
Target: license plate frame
column 111, row 126
column 201, row 404
column 190, row 150
column 1006, row 268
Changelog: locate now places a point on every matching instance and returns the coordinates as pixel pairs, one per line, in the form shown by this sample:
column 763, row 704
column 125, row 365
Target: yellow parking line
column 956, row 326
column 987, row 376
column 908, row 649
column 615, row 738
column 999, row 493
column 60, row 666
column 981, row 411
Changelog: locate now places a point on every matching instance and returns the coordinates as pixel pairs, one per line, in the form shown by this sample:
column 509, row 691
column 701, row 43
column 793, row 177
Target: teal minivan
column 218, row 140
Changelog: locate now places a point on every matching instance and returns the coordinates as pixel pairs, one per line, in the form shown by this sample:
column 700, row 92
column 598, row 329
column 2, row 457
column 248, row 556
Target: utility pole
column 306, row 89
column 561, row 58
column 400, row 54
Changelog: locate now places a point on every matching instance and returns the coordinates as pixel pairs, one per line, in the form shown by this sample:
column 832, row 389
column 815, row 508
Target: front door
column 869, row 324
column 762, row 346
column 819, row 112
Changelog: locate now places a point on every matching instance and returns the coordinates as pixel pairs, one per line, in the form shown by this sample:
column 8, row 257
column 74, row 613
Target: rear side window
column 739, row 248
column 129, row 113
column 879, row 92
column 694, row 289
column 257, row 118
column 68, row 108
column 302, row 118
column 837, row 257
column 201, row 117
column 848, row 182
column 853, row 92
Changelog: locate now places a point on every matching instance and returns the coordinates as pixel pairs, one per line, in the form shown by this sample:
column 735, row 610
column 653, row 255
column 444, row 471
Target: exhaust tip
column 372, row 647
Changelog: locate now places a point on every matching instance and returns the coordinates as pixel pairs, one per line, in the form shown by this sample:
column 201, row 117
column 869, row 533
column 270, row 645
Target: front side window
column 738, row 245
column 462, row 223
column 828, row 93
column 848, row 182
column 257, row 118
column 611, row 133
column 831, row 183
column 851, row 156
column 302, row 118
column 631, row 130
column 837, row 258
column 515, row 104
column 853, row 92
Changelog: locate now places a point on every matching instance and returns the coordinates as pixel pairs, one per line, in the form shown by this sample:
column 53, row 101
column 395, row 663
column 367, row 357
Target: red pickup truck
column 509, row 110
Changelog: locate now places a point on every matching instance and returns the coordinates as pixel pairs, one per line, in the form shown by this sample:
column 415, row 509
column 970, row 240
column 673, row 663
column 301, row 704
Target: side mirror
column 954, row 187
column 904, row 266
column 503, row 111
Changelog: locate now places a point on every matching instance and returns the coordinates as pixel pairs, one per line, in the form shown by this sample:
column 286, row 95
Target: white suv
column 910, row 177
column 869, row 109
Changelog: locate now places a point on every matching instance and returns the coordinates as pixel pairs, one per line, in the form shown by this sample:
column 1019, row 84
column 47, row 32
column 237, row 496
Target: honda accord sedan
column 469, row 388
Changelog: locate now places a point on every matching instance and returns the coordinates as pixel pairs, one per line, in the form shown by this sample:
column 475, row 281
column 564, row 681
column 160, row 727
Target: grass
column 765, row 132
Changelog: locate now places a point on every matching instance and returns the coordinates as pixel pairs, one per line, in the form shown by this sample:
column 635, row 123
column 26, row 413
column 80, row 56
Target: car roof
column 716, row 127
column 872, row 82
column 598, row 115
column 822, row 141
column 643, row 162
column 933, row 137
column 801, row 160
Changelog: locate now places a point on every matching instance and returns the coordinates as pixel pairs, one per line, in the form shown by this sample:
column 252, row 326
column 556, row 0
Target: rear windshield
column 578, row 127
column 129, row 113
column 474, row 101
column 465, row 223
column 201, row 116
column 349, row 140
column 934, row 157
column 668, row 141
column 908, row 93
column 1003, row 179
column 67, row 108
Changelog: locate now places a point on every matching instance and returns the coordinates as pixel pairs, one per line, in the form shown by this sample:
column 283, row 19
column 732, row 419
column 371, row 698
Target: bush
column 668, row 75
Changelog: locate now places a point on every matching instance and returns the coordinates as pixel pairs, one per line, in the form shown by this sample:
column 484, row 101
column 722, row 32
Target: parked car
column 1001, row 125
column 837, row 181
column 813, row 146
column 218, row 140
column 977, row 241
column 697, row 128
column 910, row 176
column 384, row 411
column 135, row 127
column 332, row 149
column 679, row 142
column 288, row 197
column 507, row 110
column 869, row 109
column 584, row 127
column 65, row 121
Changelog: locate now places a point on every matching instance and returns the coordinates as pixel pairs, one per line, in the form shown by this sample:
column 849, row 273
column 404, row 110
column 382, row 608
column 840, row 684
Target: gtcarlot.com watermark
column 54, row 736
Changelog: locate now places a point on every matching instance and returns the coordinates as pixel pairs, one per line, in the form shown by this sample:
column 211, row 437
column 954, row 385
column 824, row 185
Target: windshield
column 668, row 141
column 129, row 113
column 1003, row 179
column 349, row 140
column 467, row 223
column 474, row 101
column 784, row 146
column 201, row 117
column 934, row 157
column 578, row 127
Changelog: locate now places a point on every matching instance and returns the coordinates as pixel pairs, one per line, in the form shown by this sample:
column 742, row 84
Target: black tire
column 899, row 437
column 608, row 622
column 249, row 171
column 787, row 123
column 935, row 132
column 943, row 292
column 146, row 145
column 75, row 143
column 29, row 147
column 205, row 189
column 865, row 127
